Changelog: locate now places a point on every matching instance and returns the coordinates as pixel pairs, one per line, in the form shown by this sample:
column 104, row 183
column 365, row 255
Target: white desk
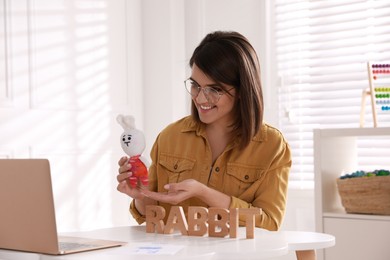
column 265, row 245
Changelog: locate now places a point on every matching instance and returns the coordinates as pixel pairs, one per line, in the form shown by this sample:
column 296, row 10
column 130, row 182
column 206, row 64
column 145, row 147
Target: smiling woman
column 223, row 155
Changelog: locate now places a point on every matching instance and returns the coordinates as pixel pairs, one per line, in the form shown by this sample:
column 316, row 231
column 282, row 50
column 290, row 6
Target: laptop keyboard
column 70, row 246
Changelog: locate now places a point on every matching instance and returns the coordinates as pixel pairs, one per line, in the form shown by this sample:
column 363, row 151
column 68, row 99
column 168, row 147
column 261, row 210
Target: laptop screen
column 27, row 208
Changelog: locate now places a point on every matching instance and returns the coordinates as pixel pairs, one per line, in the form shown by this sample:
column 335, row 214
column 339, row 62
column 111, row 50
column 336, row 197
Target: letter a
column 176, row 219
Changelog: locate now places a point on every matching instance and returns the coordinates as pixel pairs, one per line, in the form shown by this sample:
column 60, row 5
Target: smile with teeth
column 206, row 107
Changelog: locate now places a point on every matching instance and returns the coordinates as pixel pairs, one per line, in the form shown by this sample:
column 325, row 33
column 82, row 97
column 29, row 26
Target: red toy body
column 139, row 172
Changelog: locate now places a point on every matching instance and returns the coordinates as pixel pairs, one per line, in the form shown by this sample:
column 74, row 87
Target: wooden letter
column 154, row 219
column 233, row 222
column 197, row 221
column 176, row 220
column 218, row 219
column 250, row 220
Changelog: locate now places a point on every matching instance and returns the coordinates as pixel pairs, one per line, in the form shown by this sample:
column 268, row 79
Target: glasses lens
column 192, row 87
column 211, row 94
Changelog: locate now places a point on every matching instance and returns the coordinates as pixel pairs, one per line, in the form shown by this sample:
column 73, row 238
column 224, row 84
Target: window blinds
column 322, row 49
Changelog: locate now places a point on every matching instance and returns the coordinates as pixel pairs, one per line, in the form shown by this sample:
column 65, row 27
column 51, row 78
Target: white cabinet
column 358, row 236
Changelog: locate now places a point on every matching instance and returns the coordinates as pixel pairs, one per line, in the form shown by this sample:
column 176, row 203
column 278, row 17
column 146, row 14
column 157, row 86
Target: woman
column 223, row 155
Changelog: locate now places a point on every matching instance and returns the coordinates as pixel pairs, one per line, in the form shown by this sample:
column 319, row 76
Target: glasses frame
column 206, row 91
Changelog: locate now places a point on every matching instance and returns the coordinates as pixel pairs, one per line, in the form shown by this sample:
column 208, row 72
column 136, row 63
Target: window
column 322, row 49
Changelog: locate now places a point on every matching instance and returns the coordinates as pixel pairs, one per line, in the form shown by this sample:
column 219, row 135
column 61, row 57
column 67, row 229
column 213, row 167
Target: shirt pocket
column 241, row 177
column 177, row 168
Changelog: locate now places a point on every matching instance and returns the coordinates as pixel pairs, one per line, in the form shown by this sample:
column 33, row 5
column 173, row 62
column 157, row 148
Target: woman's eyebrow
column 194, row 81
column 208, row 85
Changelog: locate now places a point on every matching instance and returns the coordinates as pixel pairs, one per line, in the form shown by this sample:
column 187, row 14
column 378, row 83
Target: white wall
column 66, row 76
column 164, row 64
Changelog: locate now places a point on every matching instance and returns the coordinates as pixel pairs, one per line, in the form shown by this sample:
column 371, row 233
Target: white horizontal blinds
column 322, row 50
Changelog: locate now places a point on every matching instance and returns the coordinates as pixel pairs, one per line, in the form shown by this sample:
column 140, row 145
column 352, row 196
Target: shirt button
column 217, row 169
column 175, row 167
column 246, row 177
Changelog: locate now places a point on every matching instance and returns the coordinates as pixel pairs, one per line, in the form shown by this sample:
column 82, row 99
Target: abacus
column 379, row 90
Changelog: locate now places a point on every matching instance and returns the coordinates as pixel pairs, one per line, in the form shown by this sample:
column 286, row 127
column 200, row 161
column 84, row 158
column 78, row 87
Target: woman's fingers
column 123, row 176
column 122, row 160
column 124, row 166
column 121, row 187
column 188, row 185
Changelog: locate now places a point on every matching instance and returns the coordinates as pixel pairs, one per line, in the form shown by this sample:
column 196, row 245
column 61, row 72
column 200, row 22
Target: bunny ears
column 127, row 122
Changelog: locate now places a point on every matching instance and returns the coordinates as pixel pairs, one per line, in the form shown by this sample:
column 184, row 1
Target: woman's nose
column 201, row 98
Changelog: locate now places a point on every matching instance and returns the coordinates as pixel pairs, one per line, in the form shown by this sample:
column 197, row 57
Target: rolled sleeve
column 136, row 215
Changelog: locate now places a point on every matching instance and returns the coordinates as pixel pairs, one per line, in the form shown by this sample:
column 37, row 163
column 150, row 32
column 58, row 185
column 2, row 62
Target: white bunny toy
column 133, row 144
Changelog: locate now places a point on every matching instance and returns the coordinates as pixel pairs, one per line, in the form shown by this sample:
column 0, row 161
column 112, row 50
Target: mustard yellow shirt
column 256, row 176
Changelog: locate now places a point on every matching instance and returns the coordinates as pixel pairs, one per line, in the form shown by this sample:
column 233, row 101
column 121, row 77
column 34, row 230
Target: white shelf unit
column 358, row 236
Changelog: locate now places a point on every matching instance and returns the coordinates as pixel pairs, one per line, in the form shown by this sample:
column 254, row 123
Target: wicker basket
column 368, row 195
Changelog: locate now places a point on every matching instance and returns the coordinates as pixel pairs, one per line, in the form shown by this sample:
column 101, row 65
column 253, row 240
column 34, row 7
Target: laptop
column 27, row 215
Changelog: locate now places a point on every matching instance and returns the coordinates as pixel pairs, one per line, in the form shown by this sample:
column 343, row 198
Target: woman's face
column 219, row 113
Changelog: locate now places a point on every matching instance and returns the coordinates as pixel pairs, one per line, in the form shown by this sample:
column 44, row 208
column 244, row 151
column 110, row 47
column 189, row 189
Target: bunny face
column 132, row 142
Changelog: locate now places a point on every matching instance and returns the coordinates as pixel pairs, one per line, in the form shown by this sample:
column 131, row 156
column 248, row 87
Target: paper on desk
column 148, row 249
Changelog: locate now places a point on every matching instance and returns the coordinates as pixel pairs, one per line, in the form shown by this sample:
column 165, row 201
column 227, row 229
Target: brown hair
column 229, row 58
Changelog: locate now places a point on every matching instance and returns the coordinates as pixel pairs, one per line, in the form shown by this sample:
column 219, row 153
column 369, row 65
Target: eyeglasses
column 212, row 94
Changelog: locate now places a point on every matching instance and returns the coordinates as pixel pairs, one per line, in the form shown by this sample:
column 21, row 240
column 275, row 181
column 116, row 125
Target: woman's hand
column 178, row 192
column 122, row 177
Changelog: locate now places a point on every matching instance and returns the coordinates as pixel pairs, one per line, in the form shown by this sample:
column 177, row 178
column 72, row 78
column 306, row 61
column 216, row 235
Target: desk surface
column 143, row 246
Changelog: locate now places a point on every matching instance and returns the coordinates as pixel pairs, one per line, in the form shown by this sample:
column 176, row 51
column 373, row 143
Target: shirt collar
column 190, row 125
